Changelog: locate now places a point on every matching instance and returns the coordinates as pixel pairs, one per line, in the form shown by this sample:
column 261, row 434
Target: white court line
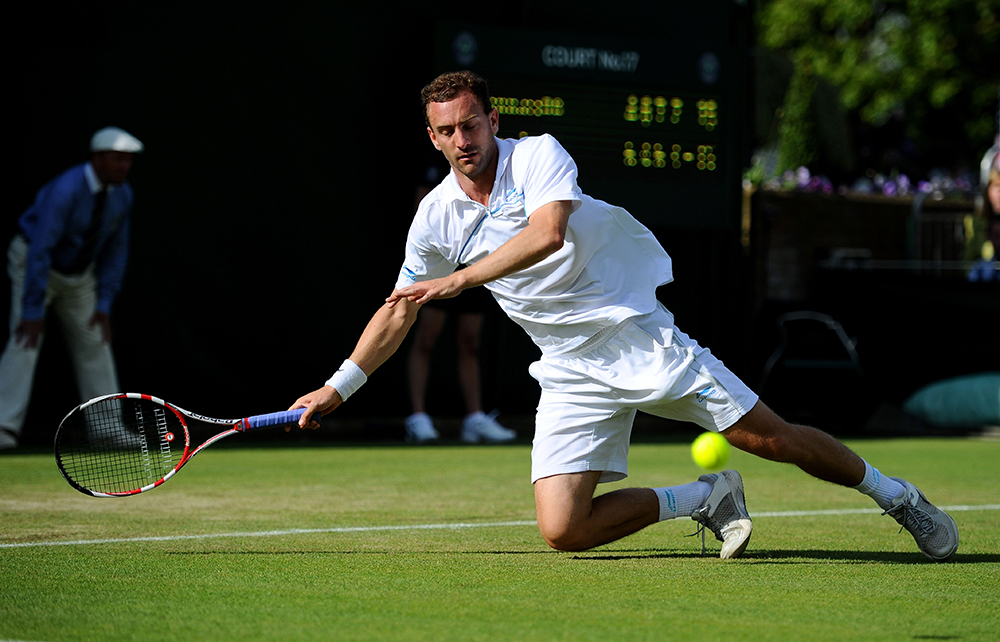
column 860, row 511
column 290, row 531
column 419, row 527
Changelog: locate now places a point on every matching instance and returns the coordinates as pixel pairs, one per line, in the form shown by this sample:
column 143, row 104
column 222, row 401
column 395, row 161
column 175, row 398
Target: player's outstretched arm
column 543, row 236
column 381, row 338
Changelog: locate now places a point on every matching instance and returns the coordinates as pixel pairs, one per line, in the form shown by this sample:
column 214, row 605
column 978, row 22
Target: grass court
column 385, row 542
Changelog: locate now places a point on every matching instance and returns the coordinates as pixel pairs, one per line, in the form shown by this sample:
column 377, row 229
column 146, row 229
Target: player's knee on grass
column 561, row 534
column 563, row 505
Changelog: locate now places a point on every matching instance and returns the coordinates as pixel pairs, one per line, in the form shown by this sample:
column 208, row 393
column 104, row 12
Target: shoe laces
column 906, row 514
column 700, row 531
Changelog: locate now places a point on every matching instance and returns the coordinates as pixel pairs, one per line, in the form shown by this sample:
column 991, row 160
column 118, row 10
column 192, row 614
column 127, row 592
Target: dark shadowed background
column 283, row 146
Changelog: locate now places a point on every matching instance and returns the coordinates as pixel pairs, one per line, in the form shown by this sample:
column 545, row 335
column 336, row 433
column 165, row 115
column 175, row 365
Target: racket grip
column 282, row 418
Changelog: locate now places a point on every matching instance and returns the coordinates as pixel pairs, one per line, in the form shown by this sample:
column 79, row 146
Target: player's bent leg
column 570, row 518
column 763, row 433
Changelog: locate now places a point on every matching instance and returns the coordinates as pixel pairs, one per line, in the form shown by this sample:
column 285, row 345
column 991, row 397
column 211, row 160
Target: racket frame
column 235, row 425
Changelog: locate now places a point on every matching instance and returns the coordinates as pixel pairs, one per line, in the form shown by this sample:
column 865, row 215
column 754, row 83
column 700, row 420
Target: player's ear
column 430, row 132
column 495, row 120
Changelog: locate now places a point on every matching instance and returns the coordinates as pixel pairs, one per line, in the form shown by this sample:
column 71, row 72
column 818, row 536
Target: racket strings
column 120, row 445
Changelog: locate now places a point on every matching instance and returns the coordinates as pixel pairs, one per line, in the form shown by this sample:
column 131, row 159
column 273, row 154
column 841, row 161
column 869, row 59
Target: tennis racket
column 125, row 444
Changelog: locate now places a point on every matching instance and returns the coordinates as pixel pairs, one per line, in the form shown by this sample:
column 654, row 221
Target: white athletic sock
column 681, row 501
column 879, row 487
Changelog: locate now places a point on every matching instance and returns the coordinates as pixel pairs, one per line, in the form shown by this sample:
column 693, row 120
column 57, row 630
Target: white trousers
column 74, row 298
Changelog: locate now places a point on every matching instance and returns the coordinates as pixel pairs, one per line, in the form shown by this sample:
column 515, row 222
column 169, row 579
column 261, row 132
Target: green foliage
column 797, row 128
column 912, row 56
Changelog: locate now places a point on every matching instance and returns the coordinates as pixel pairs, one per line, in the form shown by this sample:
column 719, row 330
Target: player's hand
column 101, row 319
column 30, row 332
column 322, row 401
column 444, row 288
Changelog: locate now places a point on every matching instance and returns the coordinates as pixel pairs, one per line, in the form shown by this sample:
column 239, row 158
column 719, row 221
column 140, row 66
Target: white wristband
column 348, row 378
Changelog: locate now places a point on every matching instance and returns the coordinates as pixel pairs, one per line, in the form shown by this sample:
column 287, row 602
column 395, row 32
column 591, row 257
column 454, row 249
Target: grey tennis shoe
column 934, row 530
column 725, row 513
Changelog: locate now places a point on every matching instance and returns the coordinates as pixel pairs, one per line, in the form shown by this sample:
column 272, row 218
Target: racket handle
column 282, row 418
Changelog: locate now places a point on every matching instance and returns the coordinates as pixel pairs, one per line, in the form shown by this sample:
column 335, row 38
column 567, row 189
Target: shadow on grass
column 754, row 557
column 800, row 557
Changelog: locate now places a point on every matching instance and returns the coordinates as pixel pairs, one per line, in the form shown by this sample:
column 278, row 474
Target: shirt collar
column 93, row 182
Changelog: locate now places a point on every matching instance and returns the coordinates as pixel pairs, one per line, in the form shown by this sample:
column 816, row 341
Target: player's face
column 464, row 133
column 112, row 168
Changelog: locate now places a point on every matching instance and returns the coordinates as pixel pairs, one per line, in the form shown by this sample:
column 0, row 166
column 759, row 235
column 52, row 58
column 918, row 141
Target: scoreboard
column 655, row 123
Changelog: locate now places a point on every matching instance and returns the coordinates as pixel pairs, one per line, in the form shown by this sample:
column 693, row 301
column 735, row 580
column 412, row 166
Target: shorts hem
column 609, row 472
column 739, row 412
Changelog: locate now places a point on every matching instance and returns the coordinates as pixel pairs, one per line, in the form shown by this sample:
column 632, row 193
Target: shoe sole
column 729, row 552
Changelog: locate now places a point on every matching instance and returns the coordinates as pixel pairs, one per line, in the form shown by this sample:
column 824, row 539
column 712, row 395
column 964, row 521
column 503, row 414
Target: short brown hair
column 448, row 86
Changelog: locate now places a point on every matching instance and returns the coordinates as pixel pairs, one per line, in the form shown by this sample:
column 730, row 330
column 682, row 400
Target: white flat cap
column 113, row 139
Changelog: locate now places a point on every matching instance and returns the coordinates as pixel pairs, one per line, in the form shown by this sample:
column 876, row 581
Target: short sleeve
column 546, row 173
column 423, row 258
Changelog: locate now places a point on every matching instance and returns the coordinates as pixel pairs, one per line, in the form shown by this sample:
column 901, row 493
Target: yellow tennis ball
column 710, row 451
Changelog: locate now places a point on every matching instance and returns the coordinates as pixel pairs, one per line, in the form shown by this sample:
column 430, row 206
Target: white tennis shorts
column 590, row 396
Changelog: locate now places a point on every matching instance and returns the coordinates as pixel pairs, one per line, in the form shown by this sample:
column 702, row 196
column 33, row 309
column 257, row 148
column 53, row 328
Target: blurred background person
column 987, row 265
column 69, row 254
column 469, row 310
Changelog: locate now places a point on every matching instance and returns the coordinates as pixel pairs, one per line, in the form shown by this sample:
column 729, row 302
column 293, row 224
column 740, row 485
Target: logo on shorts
column 705, row 394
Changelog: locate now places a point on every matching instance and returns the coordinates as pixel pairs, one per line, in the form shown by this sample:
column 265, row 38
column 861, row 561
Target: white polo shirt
column 607, row 270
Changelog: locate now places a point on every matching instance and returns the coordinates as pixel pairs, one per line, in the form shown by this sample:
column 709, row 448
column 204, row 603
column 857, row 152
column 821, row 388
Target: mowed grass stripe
column 417, row 527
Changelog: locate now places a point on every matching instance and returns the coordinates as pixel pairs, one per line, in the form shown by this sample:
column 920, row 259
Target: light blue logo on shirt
column 514, row 196
column 705, row 394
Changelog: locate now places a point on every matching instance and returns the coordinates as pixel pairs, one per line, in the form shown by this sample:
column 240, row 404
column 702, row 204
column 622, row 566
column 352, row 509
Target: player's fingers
column 396, row 297
column 307, row 415
column 310, row 418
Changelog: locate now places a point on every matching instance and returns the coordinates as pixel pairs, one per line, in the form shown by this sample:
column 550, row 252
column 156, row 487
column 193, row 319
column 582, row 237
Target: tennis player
column 579, row 275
